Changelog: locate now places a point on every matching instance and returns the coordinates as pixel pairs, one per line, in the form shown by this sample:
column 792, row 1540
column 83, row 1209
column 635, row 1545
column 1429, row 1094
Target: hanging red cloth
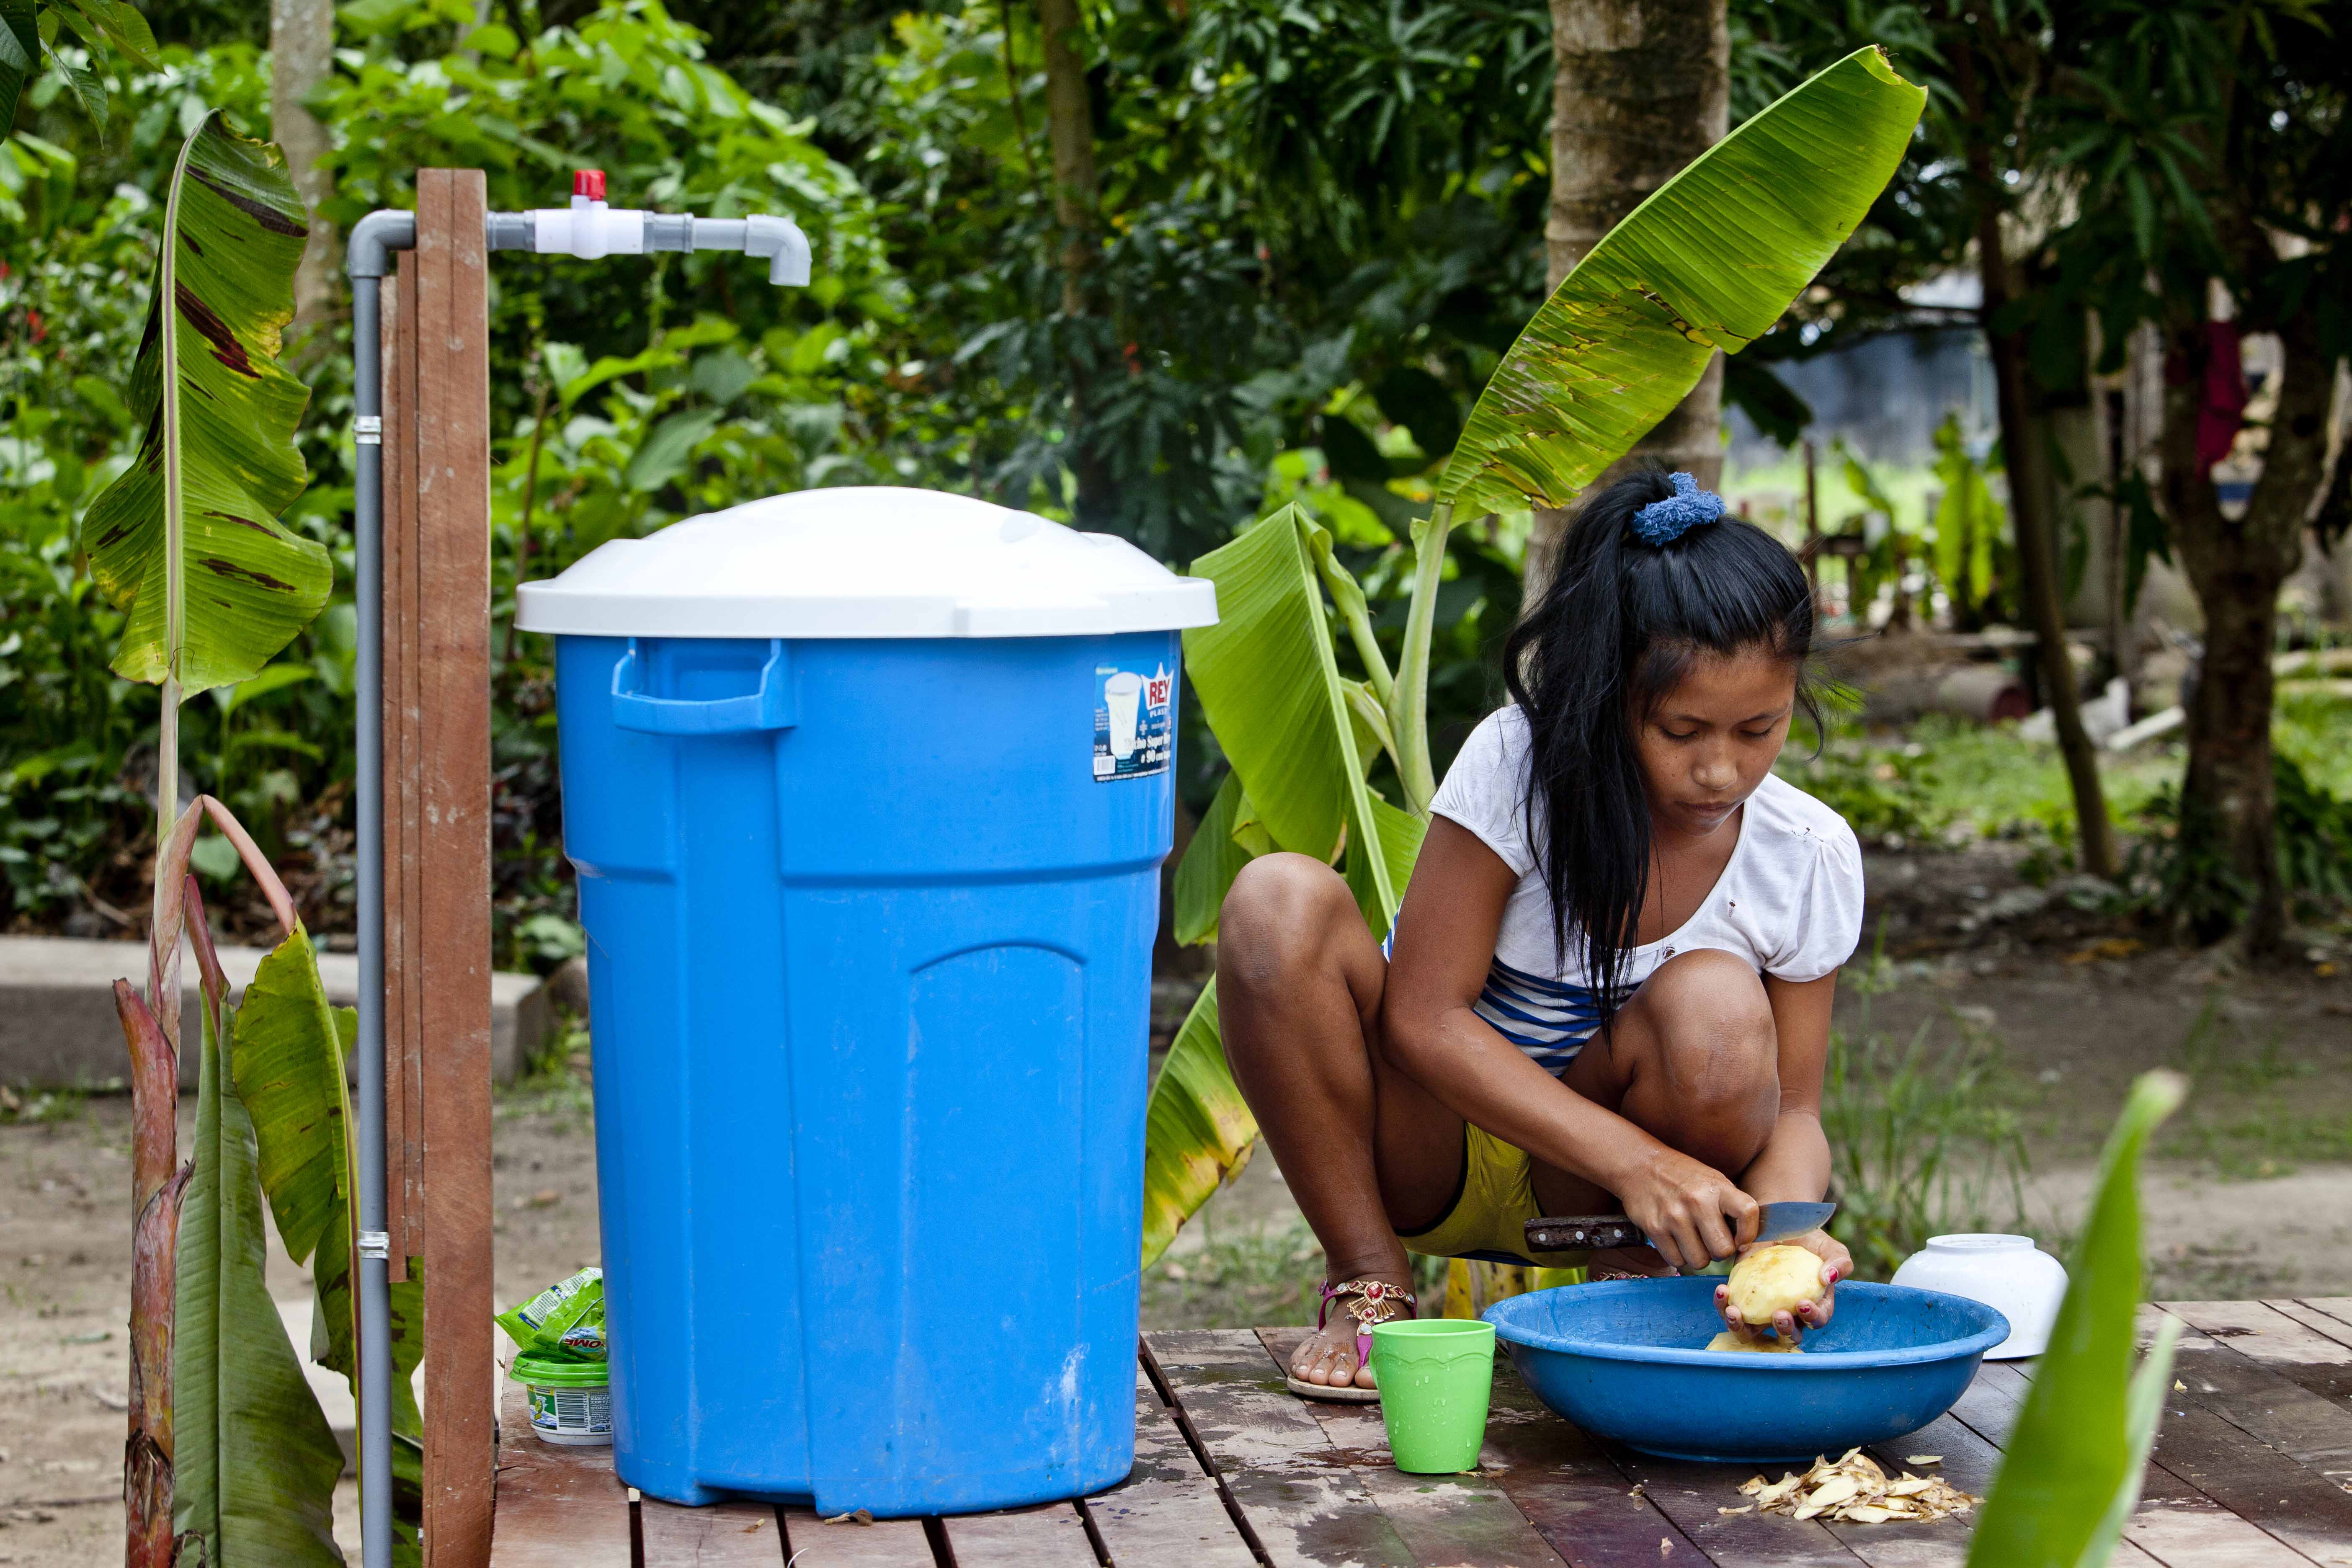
column 2224, row 410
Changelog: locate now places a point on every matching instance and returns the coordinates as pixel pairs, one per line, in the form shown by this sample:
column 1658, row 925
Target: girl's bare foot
column 1329, row 1357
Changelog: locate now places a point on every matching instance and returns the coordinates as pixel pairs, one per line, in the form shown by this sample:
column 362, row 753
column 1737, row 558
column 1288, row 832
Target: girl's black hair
column 1615, row 633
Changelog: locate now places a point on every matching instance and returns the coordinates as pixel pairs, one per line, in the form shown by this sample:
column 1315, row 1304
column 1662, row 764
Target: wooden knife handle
column 1583, row 1232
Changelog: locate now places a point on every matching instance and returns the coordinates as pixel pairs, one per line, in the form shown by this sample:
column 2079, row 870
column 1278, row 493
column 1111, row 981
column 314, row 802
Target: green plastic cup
column 1435, row 1374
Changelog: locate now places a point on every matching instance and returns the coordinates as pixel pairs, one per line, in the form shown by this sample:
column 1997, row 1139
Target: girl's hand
column 1837, row 1263
column 1692, row 1213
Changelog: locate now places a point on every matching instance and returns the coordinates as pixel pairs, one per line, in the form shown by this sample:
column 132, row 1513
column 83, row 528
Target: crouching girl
column 1608, row 986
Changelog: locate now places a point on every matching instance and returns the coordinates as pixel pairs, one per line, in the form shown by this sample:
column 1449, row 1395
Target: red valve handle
column 589, row 182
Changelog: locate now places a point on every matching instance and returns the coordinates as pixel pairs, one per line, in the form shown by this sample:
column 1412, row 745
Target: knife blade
column 1580, row 1233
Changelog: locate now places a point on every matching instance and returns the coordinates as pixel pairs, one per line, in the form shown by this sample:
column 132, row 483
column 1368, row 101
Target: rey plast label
column 1134, row 727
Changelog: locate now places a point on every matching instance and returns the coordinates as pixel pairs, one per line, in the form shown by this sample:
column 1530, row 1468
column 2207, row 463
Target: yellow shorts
column 1489, row 1217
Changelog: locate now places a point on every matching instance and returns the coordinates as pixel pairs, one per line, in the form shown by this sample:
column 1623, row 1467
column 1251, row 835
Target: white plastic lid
column 866, row 562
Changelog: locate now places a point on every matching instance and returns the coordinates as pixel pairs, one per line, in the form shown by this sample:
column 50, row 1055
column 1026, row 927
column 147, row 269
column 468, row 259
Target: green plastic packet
column 543, row 1323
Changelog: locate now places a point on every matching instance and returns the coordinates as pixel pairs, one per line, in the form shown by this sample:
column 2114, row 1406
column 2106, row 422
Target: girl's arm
column 1453, row 911
column 1795, row 1161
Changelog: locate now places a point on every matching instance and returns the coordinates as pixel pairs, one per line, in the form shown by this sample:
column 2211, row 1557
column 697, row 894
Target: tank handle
column 769, row 708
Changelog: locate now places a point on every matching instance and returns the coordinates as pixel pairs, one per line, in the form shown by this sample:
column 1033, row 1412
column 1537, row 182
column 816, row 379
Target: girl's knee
column 1277, row 918
column 1715, row 1052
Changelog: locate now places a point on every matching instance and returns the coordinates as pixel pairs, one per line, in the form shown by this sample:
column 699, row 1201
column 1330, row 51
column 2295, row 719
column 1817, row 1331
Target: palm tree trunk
column 1639, row 88
column 2228, row 831
column 2025, row 449
column 301, row 52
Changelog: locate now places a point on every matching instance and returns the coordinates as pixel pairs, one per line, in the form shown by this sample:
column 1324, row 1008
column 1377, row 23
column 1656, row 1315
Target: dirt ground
column 2252, row 1195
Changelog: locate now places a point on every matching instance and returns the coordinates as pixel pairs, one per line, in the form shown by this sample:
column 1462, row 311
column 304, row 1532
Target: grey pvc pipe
column 375, row 1266
column 368, row 259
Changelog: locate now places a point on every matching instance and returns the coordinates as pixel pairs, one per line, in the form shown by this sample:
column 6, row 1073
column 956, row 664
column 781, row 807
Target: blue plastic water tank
column 868, row 791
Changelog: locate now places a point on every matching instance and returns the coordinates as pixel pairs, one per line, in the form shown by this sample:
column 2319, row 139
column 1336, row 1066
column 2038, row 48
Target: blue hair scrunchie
column 1663, row 521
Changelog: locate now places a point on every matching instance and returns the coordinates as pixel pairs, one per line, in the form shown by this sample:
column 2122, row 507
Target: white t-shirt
column 1789, row 902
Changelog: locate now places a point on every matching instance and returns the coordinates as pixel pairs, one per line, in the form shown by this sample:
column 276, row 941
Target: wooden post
column 437, row 837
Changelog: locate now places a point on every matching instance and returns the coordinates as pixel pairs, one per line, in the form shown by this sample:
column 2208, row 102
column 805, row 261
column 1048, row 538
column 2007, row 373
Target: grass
column 1925, row 1138
column 2252, row 1116
column 1239, row 1281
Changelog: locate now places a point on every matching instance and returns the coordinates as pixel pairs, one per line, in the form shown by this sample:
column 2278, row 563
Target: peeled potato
column 1727, row 1340
column 1774, row 1279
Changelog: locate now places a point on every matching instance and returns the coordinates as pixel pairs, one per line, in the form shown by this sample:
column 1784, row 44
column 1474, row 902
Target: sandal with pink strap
column 1376, row 1301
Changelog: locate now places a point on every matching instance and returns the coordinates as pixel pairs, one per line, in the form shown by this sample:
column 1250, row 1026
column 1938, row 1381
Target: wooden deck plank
column 1690, row 1493
column 1049, row 1536
column 2212, row 1487
column 2259, row 1332
column 885, row 1543
column 1301, row 1500
column 724, row 1535
column 556, row 1506
column 1168, row 1510
column 2313, row 1319
column 1464, row 1521
column 2336, row 1307
column 2293, row 1406
column 1577, row 1499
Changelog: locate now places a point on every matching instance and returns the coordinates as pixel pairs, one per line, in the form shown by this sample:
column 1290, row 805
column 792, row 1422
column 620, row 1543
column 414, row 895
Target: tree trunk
column 2025, row 446
column 1639, row 88
column 301, row 52
column 1070, row 132
column 2227, row 797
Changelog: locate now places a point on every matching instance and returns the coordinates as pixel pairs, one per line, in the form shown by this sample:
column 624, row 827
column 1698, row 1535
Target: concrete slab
column 57, row 1028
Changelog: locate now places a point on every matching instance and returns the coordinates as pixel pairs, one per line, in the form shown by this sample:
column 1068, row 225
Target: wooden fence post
column 437, row 813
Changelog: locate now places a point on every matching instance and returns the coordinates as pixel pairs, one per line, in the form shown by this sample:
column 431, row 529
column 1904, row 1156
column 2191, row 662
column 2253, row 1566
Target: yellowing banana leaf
column 1710, row 261
column 187, row 542
column 254, row 1462
column 1267, row 680
column 2072, row 1467
column 1210, row 863
column 1198, row 1132
column 291, row 1043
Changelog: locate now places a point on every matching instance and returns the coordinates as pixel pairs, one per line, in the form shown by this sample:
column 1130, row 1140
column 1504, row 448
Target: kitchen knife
column 1593, row 1232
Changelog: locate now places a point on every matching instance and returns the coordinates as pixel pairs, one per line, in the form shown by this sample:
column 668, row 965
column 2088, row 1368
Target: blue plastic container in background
column 868, row 791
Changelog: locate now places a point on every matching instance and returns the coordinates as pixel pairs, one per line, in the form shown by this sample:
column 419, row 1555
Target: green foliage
column 1925, row 1140
column 254, row 1462
column 1632, row 329
column 2070, row 1473
column 1971, row 526
column 186, row 544
column 2182, row 878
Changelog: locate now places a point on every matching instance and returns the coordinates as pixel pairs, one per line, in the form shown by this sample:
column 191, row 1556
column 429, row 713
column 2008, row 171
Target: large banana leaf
column 2070, row 1473
column 187, row 542
column 1211, row 862
column 255, row 1463
column 1710, row 261
column 288, row 1065
column 1268, row 680
column 1199, row 1133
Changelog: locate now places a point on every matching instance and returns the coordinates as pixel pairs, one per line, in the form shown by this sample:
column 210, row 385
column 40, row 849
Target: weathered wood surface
column 557, row 1506
column 2250, row 1471
column 726, row 1535
column 885, row 1543
column 1168, row 1508
column 1052, row 1536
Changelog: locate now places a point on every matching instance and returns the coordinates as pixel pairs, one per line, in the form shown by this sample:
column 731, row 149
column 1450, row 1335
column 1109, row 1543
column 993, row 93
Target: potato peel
column 1855, row 1490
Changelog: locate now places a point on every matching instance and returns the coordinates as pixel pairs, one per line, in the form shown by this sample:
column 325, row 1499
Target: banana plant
column 230, row 1460
column 1710, row 261
column 2070, row 1473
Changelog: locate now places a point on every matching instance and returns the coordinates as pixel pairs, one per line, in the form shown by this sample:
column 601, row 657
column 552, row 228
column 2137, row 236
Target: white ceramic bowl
column 2006, row 1273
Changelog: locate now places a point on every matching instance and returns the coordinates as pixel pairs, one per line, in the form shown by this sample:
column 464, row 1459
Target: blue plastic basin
column 1620, row 1360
